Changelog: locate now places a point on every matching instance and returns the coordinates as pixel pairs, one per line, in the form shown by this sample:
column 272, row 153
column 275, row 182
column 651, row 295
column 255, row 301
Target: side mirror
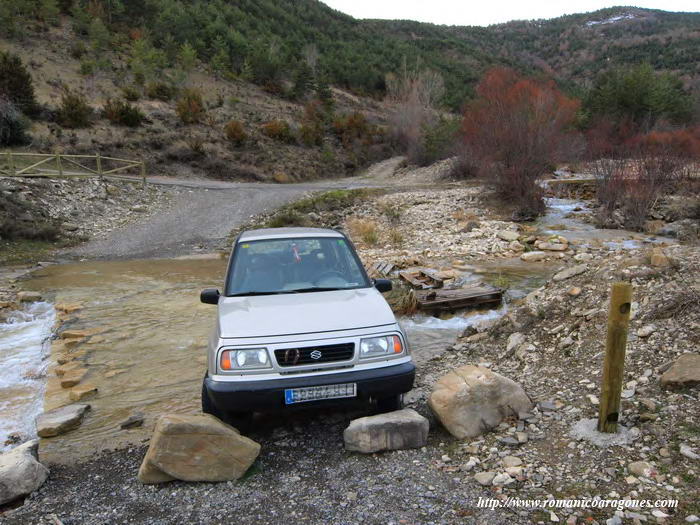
column 383, row 285
column 210, row 296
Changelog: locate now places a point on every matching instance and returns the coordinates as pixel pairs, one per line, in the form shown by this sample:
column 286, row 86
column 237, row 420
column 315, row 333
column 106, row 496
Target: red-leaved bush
column 516, row 129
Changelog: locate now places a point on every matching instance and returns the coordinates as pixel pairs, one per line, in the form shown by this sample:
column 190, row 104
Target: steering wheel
column 330, row 273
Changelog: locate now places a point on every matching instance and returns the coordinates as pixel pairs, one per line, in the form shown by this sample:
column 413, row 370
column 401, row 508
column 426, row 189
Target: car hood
column 303, row 313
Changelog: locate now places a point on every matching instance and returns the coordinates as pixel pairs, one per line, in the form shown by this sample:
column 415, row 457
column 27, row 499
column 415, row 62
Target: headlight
column 244, row 359
column 379, row 346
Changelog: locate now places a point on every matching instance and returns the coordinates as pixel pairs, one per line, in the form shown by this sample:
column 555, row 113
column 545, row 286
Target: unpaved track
column 201, row 216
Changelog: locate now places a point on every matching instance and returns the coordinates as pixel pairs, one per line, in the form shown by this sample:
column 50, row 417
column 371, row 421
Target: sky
column 485, row 12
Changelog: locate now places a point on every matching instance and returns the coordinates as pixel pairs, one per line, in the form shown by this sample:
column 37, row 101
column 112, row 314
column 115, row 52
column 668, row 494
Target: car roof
column 287, row 233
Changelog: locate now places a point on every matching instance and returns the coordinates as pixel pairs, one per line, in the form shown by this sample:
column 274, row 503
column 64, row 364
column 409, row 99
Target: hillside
column 270, row 41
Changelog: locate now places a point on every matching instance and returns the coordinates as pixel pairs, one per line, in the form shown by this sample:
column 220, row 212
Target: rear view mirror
column 210, row 296
column 383, row 285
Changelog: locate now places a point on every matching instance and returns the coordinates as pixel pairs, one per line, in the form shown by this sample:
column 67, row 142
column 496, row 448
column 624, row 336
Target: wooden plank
column 27, row 168
column 447, row 300
column 121, row 168
column 420, row 278
column 74, row 163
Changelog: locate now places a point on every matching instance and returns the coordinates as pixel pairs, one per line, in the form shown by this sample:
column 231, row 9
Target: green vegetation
column 16, row 84
column 122, row 113
column 74, row 111
column 639, row 96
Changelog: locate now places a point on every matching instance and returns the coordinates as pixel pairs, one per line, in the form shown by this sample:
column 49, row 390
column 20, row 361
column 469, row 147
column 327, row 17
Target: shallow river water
column 147, row 348
column 149, row 331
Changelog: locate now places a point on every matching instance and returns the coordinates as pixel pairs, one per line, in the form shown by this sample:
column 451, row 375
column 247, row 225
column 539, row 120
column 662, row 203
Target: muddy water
column 147, row 353
column 24, row 345
column 147, row 349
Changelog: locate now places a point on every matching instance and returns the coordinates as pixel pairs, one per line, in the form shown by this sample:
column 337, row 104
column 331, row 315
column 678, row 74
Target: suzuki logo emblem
column 316, row 355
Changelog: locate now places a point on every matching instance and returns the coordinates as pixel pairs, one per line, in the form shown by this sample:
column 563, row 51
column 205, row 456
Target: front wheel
column 389, row 403
column 241, row 421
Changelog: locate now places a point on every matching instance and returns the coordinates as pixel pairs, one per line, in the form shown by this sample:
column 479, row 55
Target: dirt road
column 204, row 212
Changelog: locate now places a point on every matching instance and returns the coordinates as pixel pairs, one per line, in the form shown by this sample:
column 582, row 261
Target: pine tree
column 16, row 84
column 323, row 91
column 303, row 81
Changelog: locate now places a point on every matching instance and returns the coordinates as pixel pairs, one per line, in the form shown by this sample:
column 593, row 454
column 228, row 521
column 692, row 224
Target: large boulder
column 391, row 431
column 684, row 372
column 60, row 420
column 471, row 400
column 196, row 448
column 20, row 472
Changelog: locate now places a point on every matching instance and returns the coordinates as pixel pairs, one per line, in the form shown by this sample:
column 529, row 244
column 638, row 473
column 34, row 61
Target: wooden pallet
column 448, row 300
column 421, row 278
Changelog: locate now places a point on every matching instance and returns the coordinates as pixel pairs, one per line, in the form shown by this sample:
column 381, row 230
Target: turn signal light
column 226, row 361
column 397, row 344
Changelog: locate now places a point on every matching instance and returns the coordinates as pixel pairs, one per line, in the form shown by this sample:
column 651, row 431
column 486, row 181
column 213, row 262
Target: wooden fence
column 56, row 165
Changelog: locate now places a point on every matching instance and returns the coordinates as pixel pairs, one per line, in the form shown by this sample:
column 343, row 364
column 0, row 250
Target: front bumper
column 261, row 395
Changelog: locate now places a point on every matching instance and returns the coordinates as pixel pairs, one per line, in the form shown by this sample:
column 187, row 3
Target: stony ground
column 551, row 342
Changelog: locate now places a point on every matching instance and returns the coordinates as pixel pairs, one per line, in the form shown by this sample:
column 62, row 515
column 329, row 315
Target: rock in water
column 196, row 448
column 28, row 297
column 684, row 372
column 391, row 431
column 60, row 420
column 471, row 400
column 20, row 472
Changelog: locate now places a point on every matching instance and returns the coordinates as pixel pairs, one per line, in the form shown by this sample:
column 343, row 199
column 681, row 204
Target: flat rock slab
column 684, row 372
column 83, row 391
column 73, row 377
column 570, row 272
column 471, row 400
column 391, row 431
column 20, row 472
column 28, row 297
column 60, row 420
column 196, row 448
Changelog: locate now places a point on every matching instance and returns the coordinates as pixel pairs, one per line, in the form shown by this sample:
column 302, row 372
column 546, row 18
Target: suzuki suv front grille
column 312, row 355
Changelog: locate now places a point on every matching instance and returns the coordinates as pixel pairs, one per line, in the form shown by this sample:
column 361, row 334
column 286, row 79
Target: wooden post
column 11, row 164
column 60, row 166
column 613, row 367
column 99, row 165
column 143, row 172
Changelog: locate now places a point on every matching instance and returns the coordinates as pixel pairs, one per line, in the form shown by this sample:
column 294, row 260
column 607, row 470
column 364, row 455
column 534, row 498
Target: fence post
column 613, row 366
column 143, row 172
column 11, row 164
column 60, row 166
column 99, row 166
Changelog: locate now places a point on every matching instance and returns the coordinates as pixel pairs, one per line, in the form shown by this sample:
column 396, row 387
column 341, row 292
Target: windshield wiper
column 243, row 294
column 313, row 289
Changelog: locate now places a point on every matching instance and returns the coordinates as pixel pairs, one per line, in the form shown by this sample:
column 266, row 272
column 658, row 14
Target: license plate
column 316, row 393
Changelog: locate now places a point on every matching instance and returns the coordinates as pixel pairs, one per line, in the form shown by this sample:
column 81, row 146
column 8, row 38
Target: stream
column 147, row 353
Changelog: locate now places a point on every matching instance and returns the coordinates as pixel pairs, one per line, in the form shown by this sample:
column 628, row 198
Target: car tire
column 389, row 403
column 207, row 406
column 241, row 421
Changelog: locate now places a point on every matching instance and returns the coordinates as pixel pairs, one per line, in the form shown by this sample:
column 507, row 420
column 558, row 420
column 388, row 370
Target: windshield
column 294, row 265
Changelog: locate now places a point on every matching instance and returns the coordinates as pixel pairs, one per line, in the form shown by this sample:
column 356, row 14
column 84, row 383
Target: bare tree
column 413, row 93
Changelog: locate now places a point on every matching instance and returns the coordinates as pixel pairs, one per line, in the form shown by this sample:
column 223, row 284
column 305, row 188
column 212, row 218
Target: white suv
column 301, row 325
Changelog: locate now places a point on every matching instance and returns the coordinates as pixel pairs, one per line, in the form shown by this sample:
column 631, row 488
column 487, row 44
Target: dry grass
column 402, row 300
column 395, row 237
column 463, row 216
column 364, row 229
